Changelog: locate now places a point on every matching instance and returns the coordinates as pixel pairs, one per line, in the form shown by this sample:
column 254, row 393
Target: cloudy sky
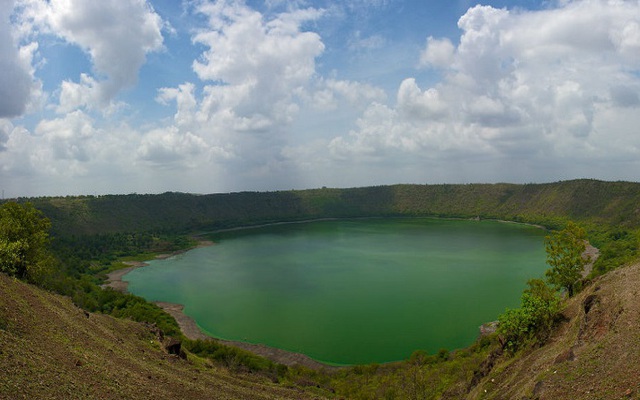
column 147, row 96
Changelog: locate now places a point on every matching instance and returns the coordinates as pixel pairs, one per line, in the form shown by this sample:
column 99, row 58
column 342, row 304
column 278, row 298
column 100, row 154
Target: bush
column 533, row 322
column 234, row 358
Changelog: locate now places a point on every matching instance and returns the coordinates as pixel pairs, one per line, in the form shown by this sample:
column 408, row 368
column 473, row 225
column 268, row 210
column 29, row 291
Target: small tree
column 23, row 242
column 565, row 250
column 533, row 322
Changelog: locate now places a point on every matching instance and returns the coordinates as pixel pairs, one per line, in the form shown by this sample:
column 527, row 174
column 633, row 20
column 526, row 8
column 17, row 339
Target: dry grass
column 595, row 354
column 51, row 349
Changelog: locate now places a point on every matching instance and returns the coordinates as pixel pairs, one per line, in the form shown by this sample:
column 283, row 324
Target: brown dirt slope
column 595, row 353
column 51, row 349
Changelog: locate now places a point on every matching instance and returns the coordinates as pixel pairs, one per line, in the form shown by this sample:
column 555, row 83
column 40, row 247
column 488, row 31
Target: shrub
column 234, row 358
column 533, row 322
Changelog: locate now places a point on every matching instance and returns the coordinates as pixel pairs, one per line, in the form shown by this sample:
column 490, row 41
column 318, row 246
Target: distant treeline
column 590, row 202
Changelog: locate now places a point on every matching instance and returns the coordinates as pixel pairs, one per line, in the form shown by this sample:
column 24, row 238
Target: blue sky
column 147, row 96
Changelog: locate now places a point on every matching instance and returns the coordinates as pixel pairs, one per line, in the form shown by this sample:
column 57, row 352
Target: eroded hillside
column 595, row 353
column 50, row 349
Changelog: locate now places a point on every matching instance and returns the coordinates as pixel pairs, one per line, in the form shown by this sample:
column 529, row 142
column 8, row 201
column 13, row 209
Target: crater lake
column 351, row 291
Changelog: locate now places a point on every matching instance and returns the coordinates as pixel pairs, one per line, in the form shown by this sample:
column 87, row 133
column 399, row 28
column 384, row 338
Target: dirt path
column 592, row 253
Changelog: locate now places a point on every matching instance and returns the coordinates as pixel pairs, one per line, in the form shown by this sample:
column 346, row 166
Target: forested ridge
column 120, row 225
column 549, row 204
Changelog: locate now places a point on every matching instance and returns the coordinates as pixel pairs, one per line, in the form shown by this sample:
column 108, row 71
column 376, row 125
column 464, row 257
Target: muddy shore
column 191, row 329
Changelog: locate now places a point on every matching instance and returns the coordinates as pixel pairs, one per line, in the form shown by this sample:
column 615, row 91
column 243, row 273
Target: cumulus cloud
column 166, row 147
column 5, row 128
column 116, row 34
column 520, row 95
column 185, row 100
column 257, row 65
column 541, row 85
column 60, row 147
column 16, row 80
column 438, row 53
column 66, row 144
column 332, row 93
column 415, row 103
column 256, row 72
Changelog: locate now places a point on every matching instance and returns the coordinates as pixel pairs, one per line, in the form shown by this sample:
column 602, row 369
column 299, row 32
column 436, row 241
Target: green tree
column 24, row 239
column 533, row 322
column 565, row 250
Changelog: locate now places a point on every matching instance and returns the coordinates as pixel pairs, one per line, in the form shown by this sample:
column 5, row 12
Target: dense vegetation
column 91, row 235
column 552, row 205
column 24, row 239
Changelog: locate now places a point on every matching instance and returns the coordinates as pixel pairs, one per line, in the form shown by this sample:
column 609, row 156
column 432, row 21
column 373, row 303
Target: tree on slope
column 23, row 241
column 533, row 322
column 565, row 250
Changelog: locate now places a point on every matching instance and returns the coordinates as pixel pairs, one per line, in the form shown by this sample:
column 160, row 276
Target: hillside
column 51, row 349
column 581, row 200
column 594, row 354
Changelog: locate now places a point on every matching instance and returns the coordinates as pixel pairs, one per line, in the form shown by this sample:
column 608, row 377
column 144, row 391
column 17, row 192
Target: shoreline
column 304, row 221
column 114, row 278
column 190, row 328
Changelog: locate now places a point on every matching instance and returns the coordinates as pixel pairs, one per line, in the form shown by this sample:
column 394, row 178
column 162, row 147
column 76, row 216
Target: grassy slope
column 595, row 353
column 50, row 349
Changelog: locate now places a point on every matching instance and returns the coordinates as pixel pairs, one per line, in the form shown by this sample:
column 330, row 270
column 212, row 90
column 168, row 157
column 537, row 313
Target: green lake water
column 351, row 291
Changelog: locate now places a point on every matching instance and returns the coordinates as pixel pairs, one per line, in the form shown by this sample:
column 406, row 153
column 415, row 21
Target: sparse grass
column 57, row 352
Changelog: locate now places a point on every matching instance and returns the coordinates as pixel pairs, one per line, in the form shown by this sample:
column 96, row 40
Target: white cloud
column 16, row 80
column 418, row 104
column 76, row 95
column 438, row 53
column 257, row 74
column 520, row 95
column 525, row 86
column 116, row 34
column 168, row 147
column 66, row 144
column 15, row 158
column 258, row 65
column 185, row 100
column 330, row 93
column 57, row 148
column 5, row 129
